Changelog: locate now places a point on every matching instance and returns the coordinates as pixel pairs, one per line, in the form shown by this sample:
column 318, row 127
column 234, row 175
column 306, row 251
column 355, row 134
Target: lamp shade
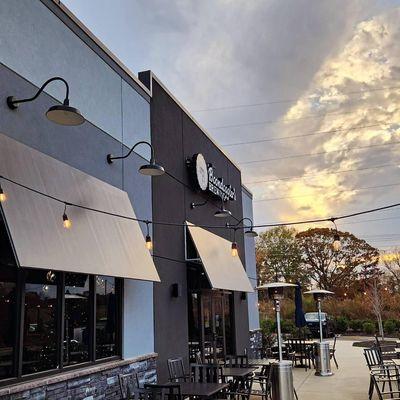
column 222, row 213
column 65, row 115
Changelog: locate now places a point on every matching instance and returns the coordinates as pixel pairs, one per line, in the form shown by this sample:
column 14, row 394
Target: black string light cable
column 177, row 224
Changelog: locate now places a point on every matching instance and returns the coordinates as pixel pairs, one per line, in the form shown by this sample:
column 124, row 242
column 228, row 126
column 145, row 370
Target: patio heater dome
column 319, row 294
column 275, row 289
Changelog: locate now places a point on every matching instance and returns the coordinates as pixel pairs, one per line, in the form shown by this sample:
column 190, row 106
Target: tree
column 278, row 255
column 375, row 300
column 337, row 270
column 391, row 262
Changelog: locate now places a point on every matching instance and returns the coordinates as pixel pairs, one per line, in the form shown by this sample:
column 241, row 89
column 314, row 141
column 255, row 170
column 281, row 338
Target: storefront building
column 84, row 303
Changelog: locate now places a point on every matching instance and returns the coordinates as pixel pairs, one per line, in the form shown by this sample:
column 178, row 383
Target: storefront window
column 7, row 326
column 40, row 323
column 76, row 321
column 106, row 317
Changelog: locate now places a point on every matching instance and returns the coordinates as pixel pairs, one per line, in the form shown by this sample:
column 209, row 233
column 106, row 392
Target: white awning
column 222, row 269
column 95, row 244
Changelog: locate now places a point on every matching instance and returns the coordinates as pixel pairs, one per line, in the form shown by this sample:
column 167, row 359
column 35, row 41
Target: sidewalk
column 349, row 382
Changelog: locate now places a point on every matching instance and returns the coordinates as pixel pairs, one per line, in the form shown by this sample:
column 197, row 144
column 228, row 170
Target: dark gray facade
column 176, row 137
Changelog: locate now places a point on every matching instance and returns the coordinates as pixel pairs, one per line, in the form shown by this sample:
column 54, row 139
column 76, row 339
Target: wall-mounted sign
column 205, row 178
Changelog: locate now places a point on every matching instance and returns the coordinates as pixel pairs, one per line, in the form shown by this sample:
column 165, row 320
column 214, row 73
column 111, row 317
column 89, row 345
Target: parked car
column 313, row 324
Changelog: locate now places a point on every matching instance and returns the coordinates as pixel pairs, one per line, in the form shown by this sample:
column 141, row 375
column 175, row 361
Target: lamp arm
column 239, row 222
column 133, row 148
column 13, row 103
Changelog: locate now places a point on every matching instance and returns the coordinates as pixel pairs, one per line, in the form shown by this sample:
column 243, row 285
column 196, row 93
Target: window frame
column 20, row 319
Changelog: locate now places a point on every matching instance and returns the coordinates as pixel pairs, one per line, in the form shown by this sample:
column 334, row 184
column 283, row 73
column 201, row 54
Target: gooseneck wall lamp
column 249, row 231
column 151, row 169
column 220, row 213
column 62, row 114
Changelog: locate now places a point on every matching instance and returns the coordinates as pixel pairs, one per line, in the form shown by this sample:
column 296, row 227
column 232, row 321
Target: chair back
column 334, row 343
column 299, row 346
column 176, row 369
column 164, row 392
column 206, row 373
column 128, row 383
column 372, row 357
column 233, row 361
column 386, row 382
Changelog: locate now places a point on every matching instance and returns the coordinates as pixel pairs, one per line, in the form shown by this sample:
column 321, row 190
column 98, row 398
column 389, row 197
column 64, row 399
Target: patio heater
column 282, row 374
column 323, row 359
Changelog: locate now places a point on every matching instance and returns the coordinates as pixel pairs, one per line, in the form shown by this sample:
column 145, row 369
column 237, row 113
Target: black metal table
column 237, row 372
column 200, row 389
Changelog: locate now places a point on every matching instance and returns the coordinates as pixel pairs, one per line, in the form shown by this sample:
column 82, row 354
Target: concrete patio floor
column 349, row 382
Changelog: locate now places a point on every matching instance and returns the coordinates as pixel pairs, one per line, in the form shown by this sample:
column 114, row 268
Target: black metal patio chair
column 332, row 352
column 176, row 370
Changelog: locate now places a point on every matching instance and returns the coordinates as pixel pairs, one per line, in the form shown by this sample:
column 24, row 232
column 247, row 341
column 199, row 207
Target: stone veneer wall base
column 96, row 382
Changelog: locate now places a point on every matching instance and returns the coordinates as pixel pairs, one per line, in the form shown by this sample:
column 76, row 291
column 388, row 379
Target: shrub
column 356, row 325
column 389, row 326
column 368, row 327
column 341, row 325
column 288, row 326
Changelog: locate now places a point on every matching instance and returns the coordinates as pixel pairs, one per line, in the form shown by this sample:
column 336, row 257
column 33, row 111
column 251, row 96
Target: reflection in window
column 40, row 324
column 106, row 317
column 7, row 325
column 76, row 321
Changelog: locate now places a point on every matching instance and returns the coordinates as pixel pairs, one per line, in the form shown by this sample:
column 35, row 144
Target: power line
column 340, row 191
column 321, row 173
column 318, row 154
column 283, row 101
column 314, row 133
column 277, row 121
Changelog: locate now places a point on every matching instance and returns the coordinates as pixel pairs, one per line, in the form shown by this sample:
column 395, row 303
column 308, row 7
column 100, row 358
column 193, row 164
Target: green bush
column 288, row 326
column 389, row 326
column 368, row 327
column 356, row 325
column 341, row 324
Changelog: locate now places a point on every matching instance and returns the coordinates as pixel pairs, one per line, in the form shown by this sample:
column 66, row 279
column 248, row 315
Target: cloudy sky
column 303, row 94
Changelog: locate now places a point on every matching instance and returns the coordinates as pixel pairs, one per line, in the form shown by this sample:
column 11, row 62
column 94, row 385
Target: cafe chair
column 206, row 373
column 301, row 353
column 332, row 352
column 128, row 383
column 234, row 361
column 390, row 380
column 176, row 370
column 378, row 368
column 387, row 352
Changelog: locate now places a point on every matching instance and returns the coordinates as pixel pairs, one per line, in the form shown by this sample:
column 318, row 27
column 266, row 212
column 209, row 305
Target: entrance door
column 214, row 327
column 210, row 327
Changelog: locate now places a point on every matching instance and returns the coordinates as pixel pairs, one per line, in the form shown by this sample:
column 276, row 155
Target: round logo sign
column 201, row 171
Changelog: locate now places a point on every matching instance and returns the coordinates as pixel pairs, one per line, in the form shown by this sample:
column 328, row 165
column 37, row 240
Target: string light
column 3, row 196
column 66, row 221
column 149, row 243
column 336, row 238
column 234, row 246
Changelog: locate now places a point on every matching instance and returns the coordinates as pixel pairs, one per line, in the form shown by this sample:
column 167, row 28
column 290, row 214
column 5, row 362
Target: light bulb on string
column 234, row 246
column 66, row 221
column 3, row 196
column 336, row 245
column 149, row 243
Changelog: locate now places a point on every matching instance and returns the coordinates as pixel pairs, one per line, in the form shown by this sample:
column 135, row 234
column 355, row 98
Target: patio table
column 261, row 362
column 200, row 389
column 237, row 372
